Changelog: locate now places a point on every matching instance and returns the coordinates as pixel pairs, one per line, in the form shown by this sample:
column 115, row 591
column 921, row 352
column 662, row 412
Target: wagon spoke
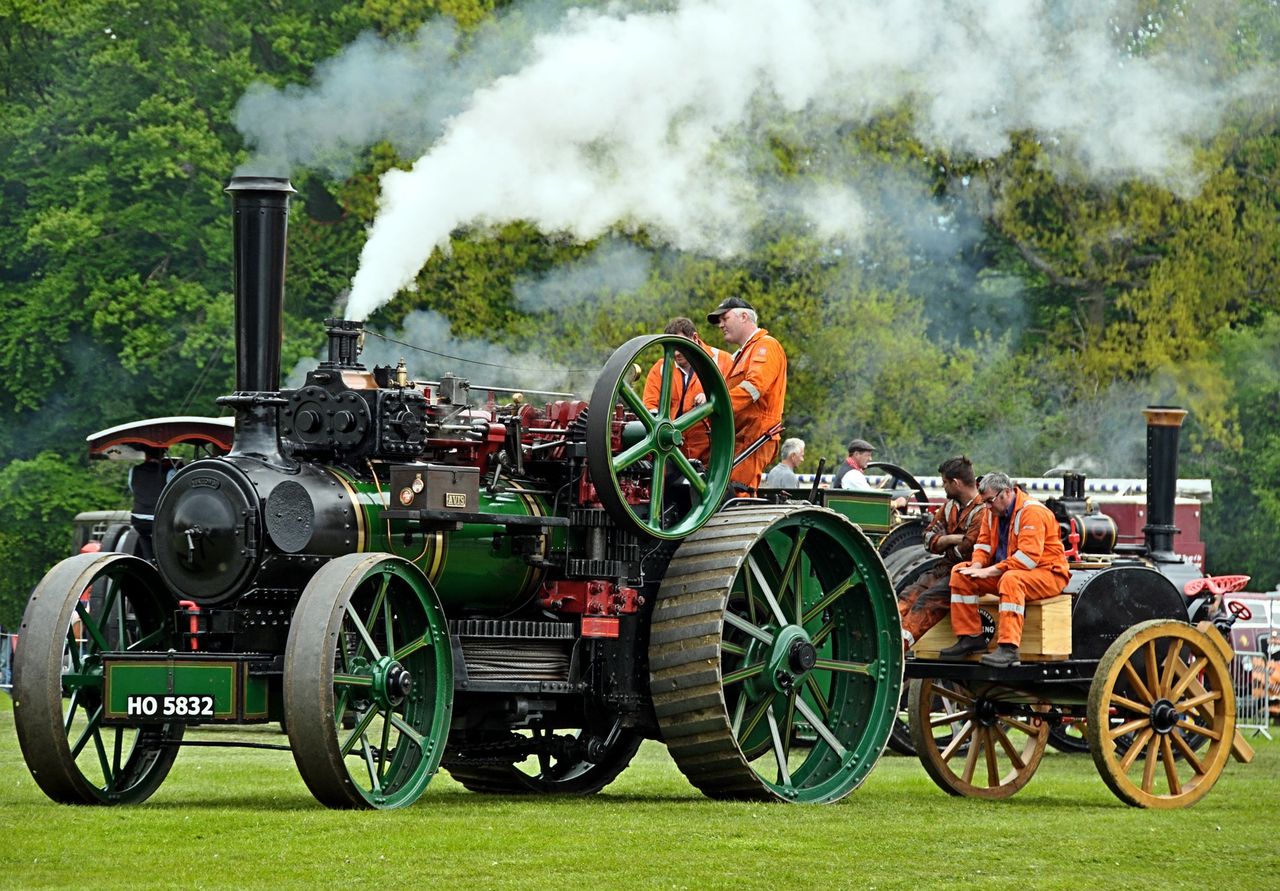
column 1135, row 749
column 958, row 741
column 1170, row 767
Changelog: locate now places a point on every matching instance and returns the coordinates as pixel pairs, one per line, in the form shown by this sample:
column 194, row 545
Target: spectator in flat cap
column 860, row 453
column 757, row 380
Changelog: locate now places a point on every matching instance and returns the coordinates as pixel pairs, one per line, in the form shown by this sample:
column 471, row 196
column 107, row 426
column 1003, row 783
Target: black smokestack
column 1163, row 423
column 261, row 219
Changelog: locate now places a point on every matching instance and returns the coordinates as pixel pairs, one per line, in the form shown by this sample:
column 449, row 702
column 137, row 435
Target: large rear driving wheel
column 776, row 655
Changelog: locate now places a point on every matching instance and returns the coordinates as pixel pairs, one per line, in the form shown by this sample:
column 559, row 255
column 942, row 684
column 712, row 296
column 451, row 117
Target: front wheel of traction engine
column 368, row 683
column 84, row 607
column 776, row 656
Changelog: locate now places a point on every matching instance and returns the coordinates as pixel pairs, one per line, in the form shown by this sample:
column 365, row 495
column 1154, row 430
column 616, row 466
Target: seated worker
column 686, row 390
column 952, row 532
column 757, row 379
column 1019, row 556
column 853, row 475
column 783, row 475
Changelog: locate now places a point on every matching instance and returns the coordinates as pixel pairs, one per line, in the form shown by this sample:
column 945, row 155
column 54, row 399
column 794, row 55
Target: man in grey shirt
column 783, row 475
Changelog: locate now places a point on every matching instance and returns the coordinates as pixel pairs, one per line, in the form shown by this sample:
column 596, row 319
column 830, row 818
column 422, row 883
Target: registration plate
column 169, row 705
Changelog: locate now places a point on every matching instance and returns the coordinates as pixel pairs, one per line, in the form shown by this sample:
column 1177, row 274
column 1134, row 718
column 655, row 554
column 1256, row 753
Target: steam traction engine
column 407, row 580
column 1135, row 651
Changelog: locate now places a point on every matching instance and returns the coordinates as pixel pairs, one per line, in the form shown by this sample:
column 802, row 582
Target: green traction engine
column 409, row 576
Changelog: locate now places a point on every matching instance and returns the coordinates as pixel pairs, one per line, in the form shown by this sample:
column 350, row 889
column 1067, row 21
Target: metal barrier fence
column 1255, row 668
column 7, row 644
column 1250, row 675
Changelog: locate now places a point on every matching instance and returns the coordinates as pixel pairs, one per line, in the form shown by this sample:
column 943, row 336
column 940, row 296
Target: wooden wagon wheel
column 1168, row 681
column 993, row 743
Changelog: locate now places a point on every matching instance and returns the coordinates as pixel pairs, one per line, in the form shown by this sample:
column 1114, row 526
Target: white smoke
column 614, row 267
column 655, row 119
column 401, row 91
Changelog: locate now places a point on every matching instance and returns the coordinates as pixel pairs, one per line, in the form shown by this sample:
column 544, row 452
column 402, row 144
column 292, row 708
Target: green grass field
column 234, row 818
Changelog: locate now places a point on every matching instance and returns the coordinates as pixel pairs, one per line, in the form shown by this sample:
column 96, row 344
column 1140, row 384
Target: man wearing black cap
column 757, row 381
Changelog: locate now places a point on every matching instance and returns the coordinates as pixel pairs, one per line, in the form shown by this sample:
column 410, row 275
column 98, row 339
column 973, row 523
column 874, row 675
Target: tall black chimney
column 261, row 218
column 1163, row 423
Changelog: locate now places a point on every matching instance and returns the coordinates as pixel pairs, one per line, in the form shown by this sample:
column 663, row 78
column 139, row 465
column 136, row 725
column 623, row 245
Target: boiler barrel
column 480, row 568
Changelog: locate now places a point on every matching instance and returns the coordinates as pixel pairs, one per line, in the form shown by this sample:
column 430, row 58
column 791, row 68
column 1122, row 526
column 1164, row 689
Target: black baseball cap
column 729, row 303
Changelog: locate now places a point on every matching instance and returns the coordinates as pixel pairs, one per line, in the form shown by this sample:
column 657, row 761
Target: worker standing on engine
column 1019, row 556
column 952, row 533
column 686, row 389
column 757, row 380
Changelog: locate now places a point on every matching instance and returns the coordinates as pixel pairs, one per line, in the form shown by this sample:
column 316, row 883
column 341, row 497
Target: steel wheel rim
column 58, row 682
column 1156, row 679
column 660, row 441
column 361, row 734
column 985, row 749
column 814, row 734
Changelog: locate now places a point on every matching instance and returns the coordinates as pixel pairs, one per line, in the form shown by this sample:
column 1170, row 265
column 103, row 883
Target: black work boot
column 964, row 645
column 1004, row 656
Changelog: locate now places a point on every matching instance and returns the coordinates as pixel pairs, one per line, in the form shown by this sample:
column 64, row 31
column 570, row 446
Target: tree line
column 1024, row 326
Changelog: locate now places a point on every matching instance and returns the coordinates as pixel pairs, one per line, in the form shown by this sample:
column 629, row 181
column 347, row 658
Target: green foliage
column 1028, row 306
column 1246, row 504
column 38, row 499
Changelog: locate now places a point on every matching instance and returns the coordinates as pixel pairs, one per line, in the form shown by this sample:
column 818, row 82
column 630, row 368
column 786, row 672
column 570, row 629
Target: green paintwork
column 216, row 679
column 870, row 510
column 657, row 437
column 848, row 611
column 473, row 567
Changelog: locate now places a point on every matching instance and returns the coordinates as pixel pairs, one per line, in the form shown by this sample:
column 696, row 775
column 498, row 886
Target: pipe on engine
column 261, row 218
column 1163, row 424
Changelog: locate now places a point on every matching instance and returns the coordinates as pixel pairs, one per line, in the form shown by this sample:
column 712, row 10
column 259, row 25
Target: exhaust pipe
column 1163, row 424
column 260, row 207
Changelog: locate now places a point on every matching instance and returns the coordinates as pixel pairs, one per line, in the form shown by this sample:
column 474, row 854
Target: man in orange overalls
column 952, row 533
column 1019, row 556
column 686, row 389
column 757, row 380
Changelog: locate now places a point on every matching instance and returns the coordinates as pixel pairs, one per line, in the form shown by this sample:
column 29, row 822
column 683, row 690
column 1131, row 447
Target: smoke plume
column 654, row 119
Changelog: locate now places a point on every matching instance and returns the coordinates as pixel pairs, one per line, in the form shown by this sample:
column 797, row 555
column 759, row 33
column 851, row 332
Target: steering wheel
column 1240, row 610
column 900, row 481
column 636, row 455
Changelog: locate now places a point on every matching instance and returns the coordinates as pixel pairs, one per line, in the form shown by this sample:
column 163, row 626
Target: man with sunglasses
column 1019, row 556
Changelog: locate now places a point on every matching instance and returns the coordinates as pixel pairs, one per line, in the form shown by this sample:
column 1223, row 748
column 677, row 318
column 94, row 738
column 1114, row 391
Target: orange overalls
column 1035, row 569
column 697, row 439
column 926, row 602
column 757, row 382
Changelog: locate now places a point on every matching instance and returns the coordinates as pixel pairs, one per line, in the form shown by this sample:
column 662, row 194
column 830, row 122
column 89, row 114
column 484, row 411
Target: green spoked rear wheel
column 86, row 606
column 642, row 468
column 368, row 682
column 775, row 655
